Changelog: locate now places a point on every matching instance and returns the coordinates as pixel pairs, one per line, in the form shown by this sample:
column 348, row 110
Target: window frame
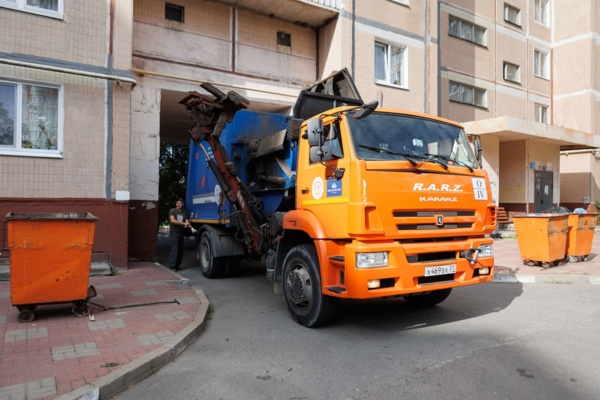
column 388, row 64
column 17, row 148
column 461, row 91
column 21, row 5
column 541, row 12
column 505, row 65
column 541, row 113
column 509, row 7
column 473, row 26
column 177, row 7
column 541, row 70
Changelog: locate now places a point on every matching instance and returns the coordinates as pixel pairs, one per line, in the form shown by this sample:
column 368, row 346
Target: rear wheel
column 212, row 267
column 301, row 284
column 428, row 299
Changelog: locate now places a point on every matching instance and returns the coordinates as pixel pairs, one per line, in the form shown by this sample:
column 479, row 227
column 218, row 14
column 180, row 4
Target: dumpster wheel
column 81, row 308
column 26, row 313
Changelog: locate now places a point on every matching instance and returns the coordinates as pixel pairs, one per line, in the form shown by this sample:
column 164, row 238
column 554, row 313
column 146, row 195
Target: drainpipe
column 353, row 37
column 426, row 60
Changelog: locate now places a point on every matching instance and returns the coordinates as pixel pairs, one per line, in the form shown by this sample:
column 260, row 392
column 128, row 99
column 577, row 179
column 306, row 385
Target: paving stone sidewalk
column 143, row 317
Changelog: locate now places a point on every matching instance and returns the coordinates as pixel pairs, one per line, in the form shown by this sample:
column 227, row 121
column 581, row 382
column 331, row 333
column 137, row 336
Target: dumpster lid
column 62, row 216
column 540, row 215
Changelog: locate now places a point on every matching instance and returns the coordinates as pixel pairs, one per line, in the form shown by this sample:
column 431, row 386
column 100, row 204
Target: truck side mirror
column 315, row 132
column 320, row 153
column 477, row 148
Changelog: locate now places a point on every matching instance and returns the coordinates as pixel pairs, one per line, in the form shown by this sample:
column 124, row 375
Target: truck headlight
column 485, row 250
column 371, row 260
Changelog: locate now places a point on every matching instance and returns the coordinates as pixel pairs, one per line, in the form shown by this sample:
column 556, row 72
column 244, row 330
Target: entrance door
column 544, row 189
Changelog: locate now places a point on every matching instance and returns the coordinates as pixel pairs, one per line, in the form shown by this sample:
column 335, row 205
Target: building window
column 30, row 119
column 541, row 67
column 284, row 39
column 467, row 94
column 542, row 11
column 390, row 64
column 512, row 14
column 405, row 2
column 174, row 13
column 467, row 31
column 541, row 113
column 50, row 8
column 512, row 72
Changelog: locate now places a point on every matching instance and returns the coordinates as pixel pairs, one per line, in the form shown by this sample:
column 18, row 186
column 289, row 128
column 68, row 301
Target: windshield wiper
column 379, row 150
column 438, row 156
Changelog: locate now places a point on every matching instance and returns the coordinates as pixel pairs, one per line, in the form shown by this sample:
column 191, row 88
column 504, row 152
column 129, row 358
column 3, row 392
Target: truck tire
column 301, row 284
column 212, row 267
column 429, row 299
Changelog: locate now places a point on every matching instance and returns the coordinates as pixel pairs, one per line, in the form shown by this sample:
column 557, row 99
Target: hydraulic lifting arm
column 209, row 116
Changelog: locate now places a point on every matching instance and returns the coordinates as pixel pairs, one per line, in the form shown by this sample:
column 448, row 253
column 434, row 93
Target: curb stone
column 112, row 384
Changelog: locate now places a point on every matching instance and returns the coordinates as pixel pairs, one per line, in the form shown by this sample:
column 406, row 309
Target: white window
column 512, row 72
column 390, row 64
column 405, row 2
column 512, row 14
column 467, row 94
column 30, row 119
column 541, row 66
column 49, row 8
column 541, row 113
column 467, row 31
column 542, row 11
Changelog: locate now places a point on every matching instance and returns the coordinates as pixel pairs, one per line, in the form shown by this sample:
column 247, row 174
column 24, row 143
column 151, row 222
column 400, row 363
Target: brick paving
column 139, row 314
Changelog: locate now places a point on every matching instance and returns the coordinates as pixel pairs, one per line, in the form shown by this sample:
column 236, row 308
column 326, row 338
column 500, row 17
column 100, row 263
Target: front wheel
column 212, row 267
column 428, row 299
column 301, row 284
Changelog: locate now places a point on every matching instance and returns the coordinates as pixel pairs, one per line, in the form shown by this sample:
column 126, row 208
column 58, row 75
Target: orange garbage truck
column 341, row 200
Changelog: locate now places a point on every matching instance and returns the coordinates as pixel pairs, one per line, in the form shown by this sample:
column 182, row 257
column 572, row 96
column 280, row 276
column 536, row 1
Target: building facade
column 95, row 89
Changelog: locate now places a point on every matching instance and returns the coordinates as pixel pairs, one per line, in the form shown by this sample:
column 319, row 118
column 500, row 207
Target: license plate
column 440, row 270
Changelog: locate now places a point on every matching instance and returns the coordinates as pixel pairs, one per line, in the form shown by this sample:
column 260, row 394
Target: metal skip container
column 580, row 235
column 50, row 258
column 542, row 237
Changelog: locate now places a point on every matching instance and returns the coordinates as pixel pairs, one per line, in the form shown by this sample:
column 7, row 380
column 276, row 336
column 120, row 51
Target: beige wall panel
column 572, row 67
column 596, row 62
column 484, row 9
column 121, row 137
column 205, row 17
column 330, row 44
column 122, row 41
column 536, row 29
column 512, row 106
column 81, row 37
column 283, row 67
column 574, row 18
column 574, row 112
column 513, row 171
column 185, row 47
column 411, row 19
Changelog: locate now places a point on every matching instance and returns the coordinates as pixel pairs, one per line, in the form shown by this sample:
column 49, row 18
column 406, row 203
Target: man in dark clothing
column 178, row 224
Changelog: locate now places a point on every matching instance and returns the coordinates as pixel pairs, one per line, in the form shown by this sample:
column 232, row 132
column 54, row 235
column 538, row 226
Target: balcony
column 305, row 12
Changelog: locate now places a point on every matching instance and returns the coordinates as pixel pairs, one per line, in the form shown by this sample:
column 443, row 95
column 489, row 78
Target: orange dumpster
column 580, row 235
column 542, row 238
column 50, row 257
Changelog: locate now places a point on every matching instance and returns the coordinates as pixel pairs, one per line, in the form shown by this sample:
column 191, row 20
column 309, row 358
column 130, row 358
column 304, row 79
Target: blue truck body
column 264, row 159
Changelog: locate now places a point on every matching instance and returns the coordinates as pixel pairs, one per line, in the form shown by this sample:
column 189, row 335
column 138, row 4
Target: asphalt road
column 493, row 341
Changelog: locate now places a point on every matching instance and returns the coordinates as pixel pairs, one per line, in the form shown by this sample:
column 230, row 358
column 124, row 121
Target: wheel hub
column 299, row 287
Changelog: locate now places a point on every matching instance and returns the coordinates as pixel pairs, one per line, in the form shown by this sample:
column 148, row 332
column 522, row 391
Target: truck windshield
column 384, row 136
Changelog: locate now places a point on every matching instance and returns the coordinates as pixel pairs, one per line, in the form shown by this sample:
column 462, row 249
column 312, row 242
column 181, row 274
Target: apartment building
column 519, row 73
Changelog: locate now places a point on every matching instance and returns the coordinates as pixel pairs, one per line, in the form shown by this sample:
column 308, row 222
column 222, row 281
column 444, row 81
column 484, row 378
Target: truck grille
column 429, row 220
